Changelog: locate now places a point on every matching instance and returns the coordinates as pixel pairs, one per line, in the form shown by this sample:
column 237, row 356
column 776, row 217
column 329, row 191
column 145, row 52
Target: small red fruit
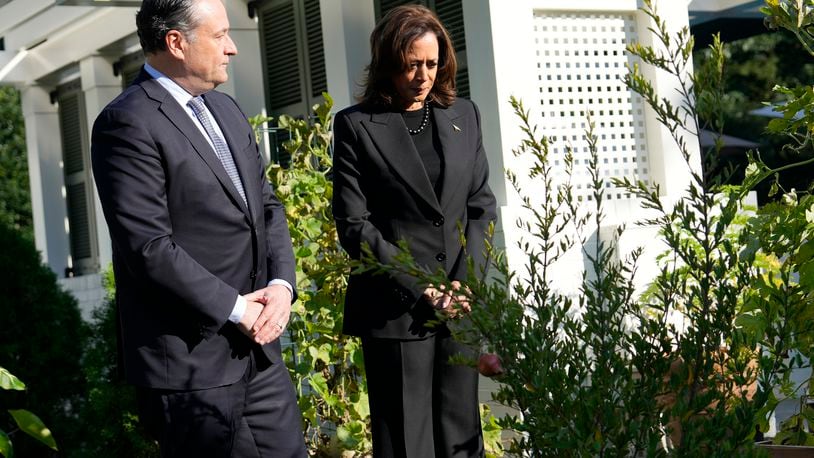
column 489, row 365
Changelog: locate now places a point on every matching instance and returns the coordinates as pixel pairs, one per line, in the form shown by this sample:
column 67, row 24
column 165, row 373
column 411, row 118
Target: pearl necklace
column 424, row 121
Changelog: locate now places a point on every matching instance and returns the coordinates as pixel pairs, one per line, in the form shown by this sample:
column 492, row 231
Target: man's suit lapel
column 244, row 165
column 180, row 119
column 453, row 142
column 390, row 135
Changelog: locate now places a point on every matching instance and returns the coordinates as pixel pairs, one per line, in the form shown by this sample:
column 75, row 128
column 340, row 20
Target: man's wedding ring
column 279, row 325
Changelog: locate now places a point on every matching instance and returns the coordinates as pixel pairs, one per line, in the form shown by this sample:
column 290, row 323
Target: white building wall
column 245, row 82
column 346, row 27
column 500, row 68
column 516, row 57
column 88, row 291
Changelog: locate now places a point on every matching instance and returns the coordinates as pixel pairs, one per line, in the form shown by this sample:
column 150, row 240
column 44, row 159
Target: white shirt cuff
column 240, row 303
column 239, row 310
column 278, row 281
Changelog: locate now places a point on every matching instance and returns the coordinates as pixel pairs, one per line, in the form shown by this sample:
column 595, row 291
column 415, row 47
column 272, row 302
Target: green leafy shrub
column 109, row 416
column 327, row 367
column 716, row 400
column 780, row 308
column 15, row 198
column 582, row 372
column 42, row 341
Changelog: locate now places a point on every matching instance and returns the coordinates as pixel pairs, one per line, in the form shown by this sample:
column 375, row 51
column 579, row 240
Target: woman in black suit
column 409, row 164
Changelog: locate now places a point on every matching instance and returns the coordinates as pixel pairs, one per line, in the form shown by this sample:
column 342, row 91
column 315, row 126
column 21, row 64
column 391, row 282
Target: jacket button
column 438, row 223
column 441, row 257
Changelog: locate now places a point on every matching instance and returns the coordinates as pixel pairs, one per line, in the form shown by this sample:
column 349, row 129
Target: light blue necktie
column 221, row 148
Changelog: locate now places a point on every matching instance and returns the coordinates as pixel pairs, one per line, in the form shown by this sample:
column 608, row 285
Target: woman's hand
column 461, row 299
column 447, row 300
column 436, row 297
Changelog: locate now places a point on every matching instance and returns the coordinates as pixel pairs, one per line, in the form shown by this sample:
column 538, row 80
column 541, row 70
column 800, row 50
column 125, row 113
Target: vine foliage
column 327, row 367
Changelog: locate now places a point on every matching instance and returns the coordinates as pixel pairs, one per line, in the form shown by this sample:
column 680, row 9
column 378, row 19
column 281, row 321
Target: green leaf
column 312, row 227
column 333, row 402
column 6, row 449
column 805, row 252
column 318, row 383
column 362, row 406
column 322, row 353
column 351, row 434
column 304, row 252
column 807, row 274
column 9, row 382
column 357, row 357
column 773, row 189
column 343, row 434
column 34, row 427
column 323, row 110
column 751, row 323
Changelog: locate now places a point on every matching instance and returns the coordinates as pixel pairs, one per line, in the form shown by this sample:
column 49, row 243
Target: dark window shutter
column 462, row 82
column 71, row 130
column 383, row 6
column 129, row 75
column 129, row 67
column 79, row 221
column 451, row 14
column 77, row 196
column 277, row 137
column 282, row 63
column 316, row 50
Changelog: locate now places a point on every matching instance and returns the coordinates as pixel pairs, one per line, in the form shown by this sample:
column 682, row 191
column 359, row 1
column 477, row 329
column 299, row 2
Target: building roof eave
column 69, row 44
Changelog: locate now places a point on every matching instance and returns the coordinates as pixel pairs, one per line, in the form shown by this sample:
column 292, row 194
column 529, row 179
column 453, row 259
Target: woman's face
column 413, row 85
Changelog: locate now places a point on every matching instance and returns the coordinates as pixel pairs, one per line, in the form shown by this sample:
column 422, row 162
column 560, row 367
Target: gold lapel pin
column 457, row 129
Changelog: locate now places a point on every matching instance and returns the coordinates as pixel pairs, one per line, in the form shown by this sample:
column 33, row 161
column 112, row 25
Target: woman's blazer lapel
column 453, row 145
column 389, row 134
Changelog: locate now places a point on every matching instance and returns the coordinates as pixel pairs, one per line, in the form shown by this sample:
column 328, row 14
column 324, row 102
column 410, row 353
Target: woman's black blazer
column 382, row 194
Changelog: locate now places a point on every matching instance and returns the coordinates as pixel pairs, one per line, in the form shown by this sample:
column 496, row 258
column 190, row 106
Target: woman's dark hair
column 389, row 44
column 157, row 17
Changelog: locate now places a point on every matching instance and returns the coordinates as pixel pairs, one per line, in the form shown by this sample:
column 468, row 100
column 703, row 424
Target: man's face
column 207, row 48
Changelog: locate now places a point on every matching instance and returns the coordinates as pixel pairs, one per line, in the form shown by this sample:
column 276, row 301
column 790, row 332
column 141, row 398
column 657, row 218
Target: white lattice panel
column 581, row 61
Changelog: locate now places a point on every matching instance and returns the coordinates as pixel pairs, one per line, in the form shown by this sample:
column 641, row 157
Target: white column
column 46, row 178
column 99, row 87
column 668, row 166
column 346, row 27
column 246, row 72
column 500, row 60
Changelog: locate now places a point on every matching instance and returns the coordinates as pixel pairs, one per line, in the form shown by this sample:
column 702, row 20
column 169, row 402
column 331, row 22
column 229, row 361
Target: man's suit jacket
column 184, row 242
column 382, row 194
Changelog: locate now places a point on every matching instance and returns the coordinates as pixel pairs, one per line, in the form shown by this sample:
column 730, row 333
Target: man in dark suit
column 201, row 251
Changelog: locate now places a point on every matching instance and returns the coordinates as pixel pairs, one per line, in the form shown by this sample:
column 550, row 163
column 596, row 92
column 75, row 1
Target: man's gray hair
column 157, row 17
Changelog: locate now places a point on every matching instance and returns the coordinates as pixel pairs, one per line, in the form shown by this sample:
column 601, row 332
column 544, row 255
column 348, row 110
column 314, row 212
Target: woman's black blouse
column 429, row 147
